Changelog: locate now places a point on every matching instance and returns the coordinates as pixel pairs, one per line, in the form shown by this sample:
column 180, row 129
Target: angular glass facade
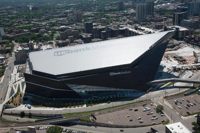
column 105, row 84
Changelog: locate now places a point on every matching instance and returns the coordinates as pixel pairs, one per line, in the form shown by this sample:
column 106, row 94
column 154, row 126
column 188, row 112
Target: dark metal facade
column 132, row 76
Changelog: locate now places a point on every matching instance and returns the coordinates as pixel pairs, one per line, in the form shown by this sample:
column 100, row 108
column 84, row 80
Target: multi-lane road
column 7, row 75
column 4, row 85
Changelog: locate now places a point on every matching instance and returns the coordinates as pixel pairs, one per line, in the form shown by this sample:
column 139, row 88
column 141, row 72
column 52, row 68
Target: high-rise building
column 190, row 23
column 178, row 17
column 144, row 8
column 194, row 7
column 88, row 27
column 121, row 5
column 141, row 11
column 2, row 33
column 150, row 7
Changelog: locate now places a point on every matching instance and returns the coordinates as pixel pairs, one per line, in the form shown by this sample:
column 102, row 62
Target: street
column 5, row 83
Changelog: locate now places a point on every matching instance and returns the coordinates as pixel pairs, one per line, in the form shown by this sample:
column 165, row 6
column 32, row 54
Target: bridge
column 173, row 80
column 170, row 83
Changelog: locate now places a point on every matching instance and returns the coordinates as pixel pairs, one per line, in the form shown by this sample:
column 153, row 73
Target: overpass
column 173, row 80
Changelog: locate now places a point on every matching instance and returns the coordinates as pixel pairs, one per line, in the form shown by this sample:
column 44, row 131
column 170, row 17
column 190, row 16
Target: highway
column 5, row 83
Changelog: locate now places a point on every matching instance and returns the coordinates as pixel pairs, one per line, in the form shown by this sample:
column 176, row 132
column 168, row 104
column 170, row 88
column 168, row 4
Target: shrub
column 159, row 109
column 54, row 129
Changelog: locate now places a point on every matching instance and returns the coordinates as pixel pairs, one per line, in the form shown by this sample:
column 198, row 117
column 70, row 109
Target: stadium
column 108, row 70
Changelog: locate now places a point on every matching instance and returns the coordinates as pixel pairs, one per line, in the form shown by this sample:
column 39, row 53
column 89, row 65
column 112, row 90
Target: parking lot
column 186, row 105
column 140, row 115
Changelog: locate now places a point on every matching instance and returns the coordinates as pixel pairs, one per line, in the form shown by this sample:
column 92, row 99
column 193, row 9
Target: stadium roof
column 92, row 56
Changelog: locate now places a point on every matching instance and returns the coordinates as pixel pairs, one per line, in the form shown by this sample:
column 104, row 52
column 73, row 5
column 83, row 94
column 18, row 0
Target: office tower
column 178, row 17
column 88, row 27
column 141, row 11
column 144, row 8
column 194, row 7
column 150, row 7
column 121, row 5
column 2, row 33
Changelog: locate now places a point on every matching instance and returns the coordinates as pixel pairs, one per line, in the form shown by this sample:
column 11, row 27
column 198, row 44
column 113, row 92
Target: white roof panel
column 178, row 128
column 93, row 55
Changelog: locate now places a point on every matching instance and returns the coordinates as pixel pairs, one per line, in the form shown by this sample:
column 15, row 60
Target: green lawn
column 85, row 115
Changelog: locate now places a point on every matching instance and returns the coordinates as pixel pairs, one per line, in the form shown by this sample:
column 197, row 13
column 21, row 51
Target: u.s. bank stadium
column 112, row 69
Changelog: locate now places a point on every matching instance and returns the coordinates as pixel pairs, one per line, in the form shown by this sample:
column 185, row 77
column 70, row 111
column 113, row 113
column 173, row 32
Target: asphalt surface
column 5, row 83
column 159, row 128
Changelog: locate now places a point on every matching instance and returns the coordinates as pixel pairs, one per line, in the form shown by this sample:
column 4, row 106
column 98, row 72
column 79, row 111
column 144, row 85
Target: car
column 141, row 121
column 179, row 107
column 149, row 113
column 146, row 109
column 28, row 106
column 121, row 130
column 162, row 114
column 154, row 118
column 191, row 104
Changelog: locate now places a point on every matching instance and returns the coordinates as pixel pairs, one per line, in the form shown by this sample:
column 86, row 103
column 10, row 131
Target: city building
column 194, row 7
column 2, row 33
column 101, row 70
column 2, row 59
column 176, row 128
column 178, row 17
column 121, row 5
column 180, row 32
column 190, row 23
column 150, row 7
column 141, row 12
column 88, row 27
column 21, row 57
column 148, row 4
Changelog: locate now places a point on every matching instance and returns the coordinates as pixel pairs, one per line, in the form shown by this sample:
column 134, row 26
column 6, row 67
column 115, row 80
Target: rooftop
column 177, row 128
column 92, row 56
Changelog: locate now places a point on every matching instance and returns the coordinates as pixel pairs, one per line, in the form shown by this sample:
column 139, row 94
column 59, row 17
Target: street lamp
column 147, row 93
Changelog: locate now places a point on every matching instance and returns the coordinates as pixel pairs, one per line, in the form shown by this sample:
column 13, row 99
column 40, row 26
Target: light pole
column 147, row 94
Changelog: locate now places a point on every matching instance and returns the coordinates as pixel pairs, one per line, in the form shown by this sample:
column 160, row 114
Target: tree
column 196, row 127
column 159, row 109
column 54, row 129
